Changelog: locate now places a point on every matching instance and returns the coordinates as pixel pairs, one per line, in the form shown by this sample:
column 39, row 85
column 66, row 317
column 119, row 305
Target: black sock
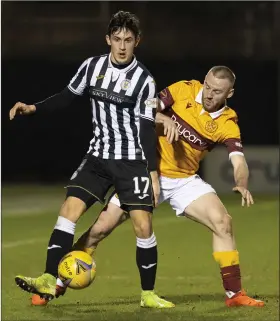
column 60, row 244
column 146, row 258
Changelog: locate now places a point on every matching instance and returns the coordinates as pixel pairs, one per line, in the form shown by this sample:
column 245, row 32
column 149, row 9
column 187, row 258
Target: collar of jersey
column 213, row 115
column 130, row 66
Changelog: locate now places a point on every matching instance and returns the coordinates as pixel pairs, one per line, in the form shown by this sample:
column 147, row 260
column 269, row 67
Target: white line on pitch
column 9, row 245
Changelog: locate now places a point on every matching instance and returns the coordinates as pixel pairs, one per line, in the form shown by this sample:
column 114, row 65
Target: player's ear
column 230, row 94
column 108, row 40
column 137, row 41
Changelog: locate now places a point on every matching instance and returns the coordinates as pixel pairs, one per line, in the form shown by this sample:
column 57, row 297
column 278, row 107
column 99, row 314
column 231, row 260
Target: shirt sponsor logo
column 103, row 94
column 188, row 133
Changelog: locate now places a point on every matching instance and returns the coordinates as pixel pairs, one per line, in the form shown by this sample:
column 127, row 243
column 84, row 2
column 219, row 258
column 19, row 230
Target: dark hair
column 124, row 19
column 223, row 72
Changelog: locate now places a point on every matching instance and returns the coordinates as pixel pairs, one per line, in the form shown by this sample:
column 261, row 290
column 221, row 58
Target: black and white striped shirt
column 119, row 98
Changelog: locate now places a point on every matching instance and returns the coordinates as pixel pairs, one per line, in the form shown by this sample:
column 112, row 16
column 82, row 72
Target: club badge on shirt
column 211, row 126
column 151, row 102
column 125, row 84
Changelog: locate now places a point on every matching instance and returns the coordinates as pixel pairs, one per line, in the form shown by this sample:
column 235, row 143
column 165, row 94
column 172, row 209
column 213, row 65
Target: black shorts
column 130, row 178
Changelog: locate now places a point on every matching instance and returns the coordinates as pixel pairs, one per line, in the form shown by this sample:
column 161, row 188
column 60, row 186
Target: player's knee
column 72, row 209
column 143, row 229
column 142, row 223
column 222, row 224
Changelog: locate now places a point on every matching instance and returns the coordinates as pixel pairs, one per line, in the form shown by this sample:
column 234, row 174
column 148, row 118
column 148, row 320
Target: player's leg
column 109, row 218
column 60, row 243
column 134, row 188
column 85, row 187
column 209, row 211
column 199, row 202
column 146, row 256
column 146, row 250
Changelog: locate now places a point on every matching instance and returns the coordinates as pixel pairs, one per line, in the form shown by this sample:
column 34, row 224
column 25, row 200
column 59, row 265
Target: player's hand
column 170, row 130
column 247, row 198
column 156, row 186
column 21, row 109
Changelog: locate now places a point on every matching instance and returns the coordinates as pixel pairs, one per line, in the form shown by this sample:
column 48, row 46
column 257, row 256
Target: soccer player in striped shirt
column 122, row 154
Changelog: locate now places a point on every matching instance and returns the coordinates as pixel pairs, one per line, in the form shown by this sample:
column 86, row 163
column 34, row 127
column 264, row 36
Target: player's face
column 215, row 92
column 122, row 44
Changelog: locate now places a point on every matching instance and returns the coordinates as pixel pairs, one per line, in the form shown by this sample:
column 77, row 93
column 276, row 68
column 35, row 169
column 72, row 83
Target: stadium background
column 43, row 44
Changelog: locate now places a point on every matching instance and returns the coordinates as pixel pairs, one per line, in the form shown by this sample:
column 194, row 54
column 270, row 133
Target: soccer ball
column 77, row 270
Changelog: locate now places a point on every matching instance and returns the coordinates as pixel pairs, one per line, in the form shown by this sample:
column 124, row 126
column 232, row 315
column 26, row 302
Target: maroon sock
column 231, row 278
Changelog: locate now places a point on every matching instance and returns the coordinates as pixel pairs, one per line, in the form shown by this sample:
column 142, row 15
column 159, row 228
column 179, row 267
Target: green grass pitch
column 187, row 273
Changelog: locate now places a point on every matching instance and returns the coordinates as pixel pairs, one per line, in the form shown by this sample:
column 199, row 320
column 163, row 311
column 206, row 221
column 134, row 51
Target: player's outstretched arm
column 75, row 88
column 241, row 176
column 60, row 100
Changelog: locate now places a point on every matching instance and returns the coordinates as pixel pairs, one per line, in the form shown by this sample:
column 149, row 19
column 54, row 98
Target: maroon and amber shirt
column 199, row 130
